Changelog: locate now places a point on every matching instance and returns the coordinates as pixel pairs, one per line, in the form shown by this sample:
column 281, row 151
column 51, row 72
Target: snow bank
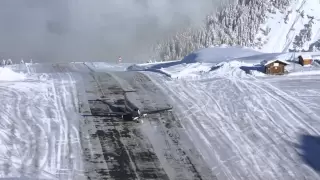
column 7, row 74
column 223, row 60
column 305, row 73
column 219, row 54
column 198, row 62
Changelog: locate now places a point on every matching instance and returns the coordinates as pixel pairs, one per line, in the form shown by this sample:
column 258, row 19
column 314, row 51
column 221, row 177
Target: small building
column 305, row 60
column 275, row 67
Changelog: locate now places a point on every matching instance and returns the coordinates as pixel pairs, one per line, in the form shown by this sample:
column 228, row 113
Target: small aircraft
column 129, row 112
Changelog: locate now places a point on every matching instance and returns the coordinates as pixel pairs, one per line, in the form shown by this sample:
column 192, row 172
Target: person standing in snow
column 22, row 62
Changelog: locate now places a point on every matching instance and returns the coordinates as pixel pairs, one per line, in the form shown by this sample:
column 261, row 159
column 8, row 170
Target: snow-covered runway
column 39, row 129
column 250, row 128
column 61, row 129
column 225, row 124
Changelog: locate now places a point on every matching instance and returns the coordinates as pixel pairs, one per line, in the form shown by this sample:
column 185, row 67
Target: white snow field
column 39, row 127
column 7, row 74
column 251, row 128
column 247, row 126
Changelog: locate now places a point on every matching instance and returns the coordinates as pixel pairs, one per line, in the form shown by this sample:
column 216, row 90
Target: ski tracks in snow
column 246, row 127
column 39, row 136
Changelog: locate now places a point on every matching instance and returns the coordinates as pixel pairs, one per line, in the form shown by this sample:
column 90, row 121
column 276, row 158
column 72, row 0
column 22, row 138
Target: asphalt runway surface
column 156, row 148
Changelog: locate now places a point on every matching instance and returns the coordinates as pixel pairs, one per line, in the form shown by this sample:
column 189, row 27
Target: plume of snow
column 82, row 30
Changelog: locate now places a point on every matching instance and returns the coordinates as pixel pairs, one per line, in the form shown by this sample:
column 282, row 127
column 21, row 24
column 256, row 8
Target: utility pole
column 294, row 58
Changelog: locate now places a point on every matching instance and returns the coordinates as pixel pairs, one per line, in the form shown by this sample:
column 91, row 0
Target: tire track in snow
column 202, row 132
column 287, row 104
column 256, row 128
column 291, row 139
column 32, row 115
column 277, row 135
column 232, row 117
column 283, row 98
column 17, row 121
column 178, row 100
column 68, row 106
column 265, row 147
column 24, row 99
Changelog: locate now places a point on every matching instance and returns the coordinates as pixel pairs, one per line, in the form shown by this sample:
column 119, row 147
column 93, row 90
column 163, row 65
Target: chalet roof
column 267, row 62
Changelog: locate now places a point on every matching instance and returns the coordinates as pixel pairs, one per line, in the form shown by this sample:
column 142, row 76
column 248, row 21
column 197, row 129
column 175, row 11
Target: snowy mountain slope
column 268, row 26
column 295, row 28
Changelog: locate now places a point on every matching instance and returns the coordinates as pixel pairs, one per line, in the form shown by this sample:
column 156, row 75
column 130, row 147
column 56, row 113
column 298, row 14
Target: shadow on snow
column 248, row 69
column 310, row 151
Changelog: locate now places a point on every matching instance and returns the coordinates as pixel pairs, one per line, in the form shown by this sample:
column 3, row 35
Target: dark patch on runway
column 127, row 154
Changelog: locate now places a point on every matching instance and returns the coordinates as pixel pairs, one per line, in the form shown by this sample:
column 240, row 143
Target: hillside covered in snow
column 265, row 25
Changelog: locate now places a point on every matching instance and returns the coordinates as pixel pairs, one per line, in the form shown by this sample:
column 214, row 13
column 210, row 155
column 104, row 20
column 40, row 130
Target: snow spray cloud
column 98, row 30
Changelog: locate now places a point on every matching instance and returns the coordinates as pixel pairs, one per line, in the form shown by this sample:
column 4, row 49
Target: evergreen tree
column 236, row 24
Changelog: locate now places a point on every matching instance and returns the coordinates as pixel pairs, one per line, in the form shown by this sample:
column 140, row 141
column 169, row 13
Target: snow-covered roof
column 306, row 56
column 267, row 62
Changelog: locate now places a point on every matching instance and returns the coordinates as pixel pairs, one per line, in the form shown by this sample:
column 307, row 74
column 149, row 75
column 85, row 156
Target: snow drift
column 224, row 61
column 6, row 74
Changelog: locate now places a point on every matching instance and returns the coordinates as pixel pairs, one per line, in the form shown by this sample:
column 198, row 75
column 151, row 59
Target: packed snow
column 6, row 74
column 251, row 128
column 39, row 136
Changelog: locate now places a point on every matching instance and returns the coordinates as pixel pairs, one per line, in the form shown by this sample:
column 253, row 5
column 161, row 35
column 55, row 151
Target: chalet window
column 276, row 64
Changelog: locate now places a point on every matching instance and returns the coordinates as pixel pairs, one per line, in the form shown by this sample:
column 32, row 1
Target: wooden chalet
column 275, row 67
column 305, row 60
